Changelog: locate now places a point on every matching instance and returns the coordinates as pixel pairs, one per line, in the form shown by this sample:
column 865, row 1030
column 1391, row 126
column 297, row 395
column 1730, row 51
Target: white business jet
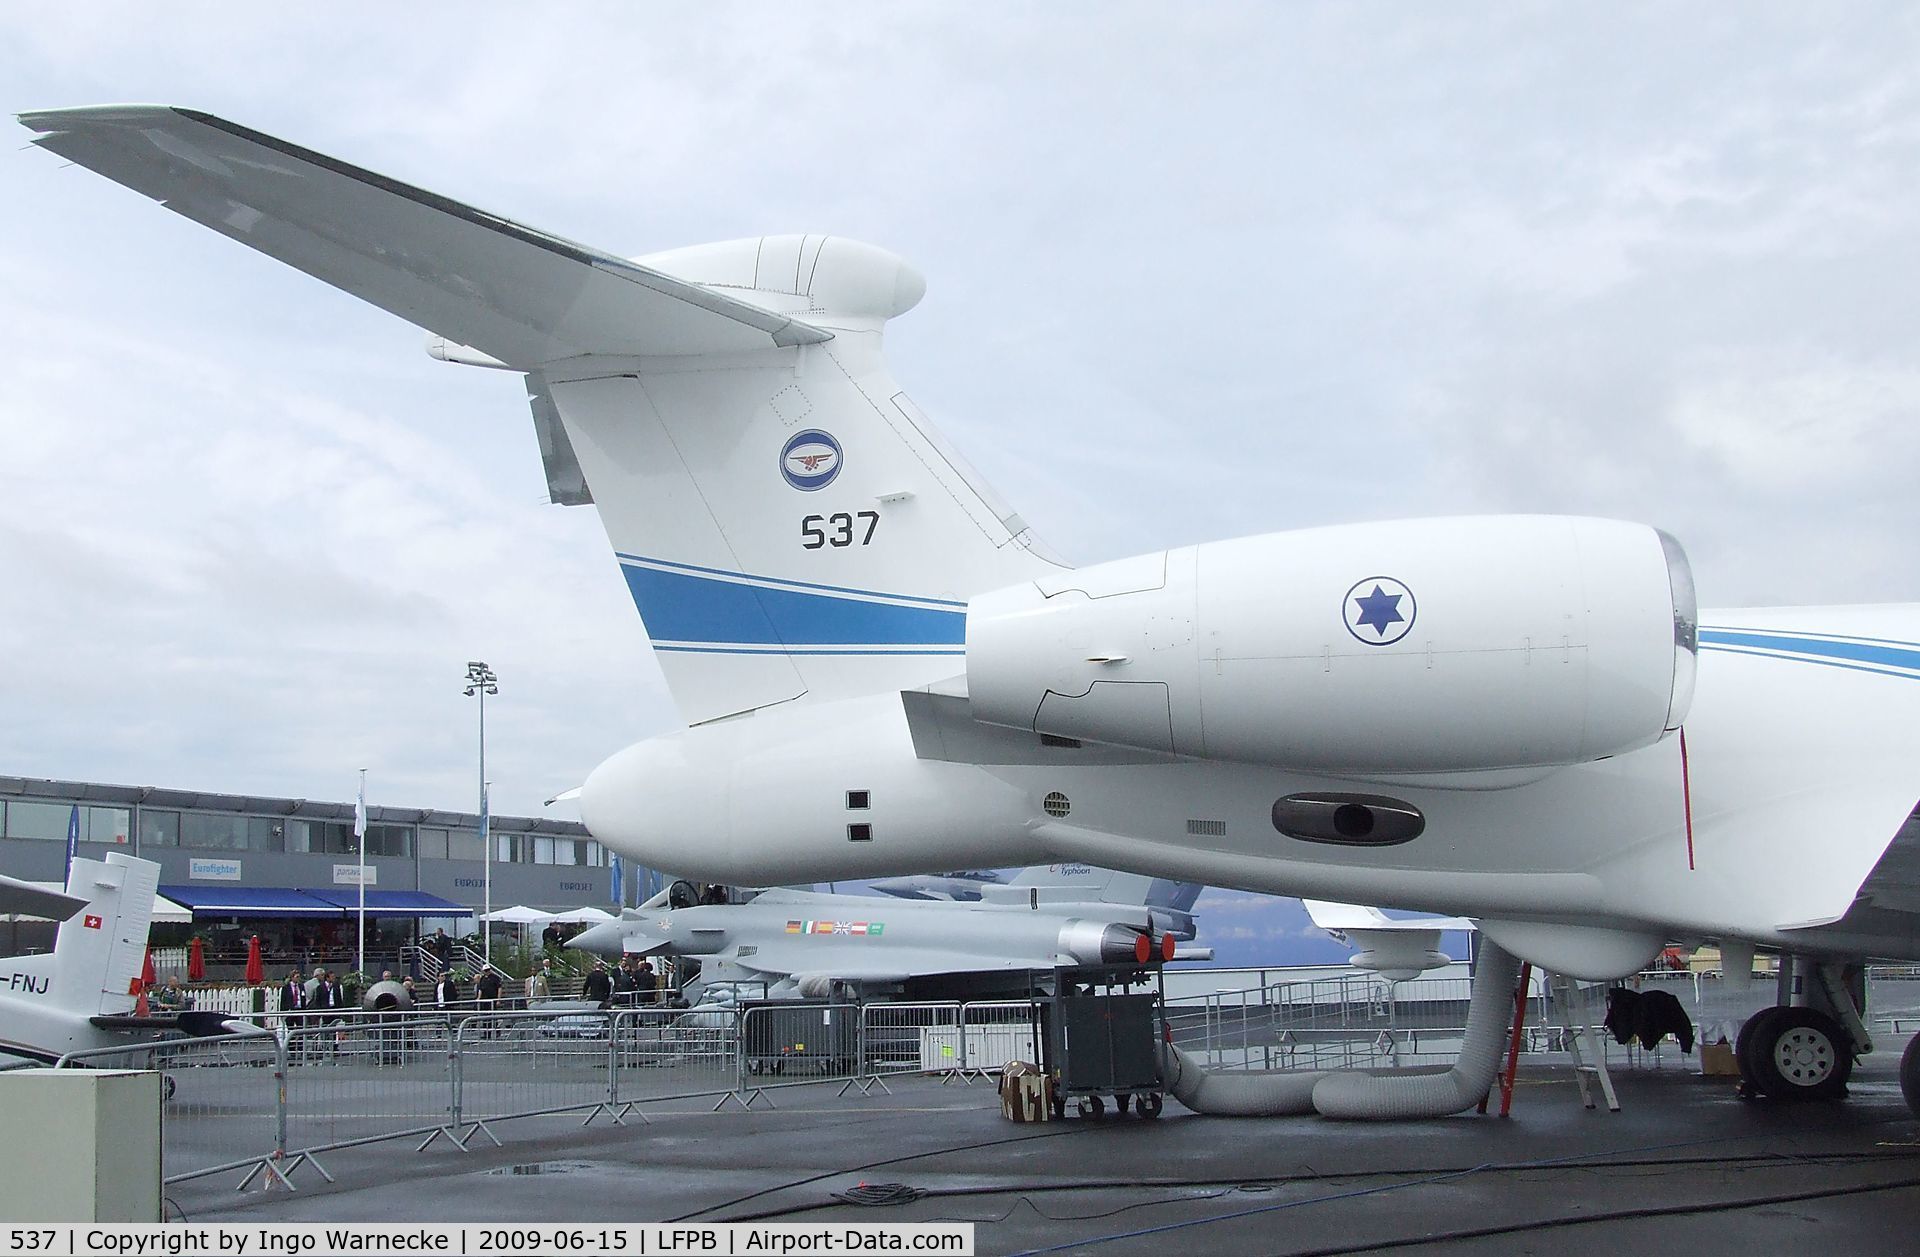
column 1521, row 719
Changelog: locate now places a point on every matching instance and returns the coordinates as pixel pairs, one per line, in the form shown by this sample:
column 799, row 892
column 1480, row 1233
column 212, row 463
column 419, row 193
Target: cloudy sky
column 1193, row 273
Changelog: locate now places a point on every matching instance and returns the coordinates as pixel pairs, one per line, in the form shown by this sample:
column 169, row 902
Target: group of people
column 634, row 979
column 321, row 991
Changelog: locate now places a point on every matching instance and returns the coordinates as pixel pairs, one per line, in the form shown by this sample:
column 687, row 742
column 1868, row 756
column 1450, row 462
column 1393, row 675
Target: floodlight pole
column 482, row 681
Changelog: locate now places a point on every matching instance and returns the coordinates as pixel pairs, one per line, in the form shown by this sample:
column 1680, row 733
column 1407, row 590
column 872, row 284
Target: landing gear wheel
column 1149, row 1105
column 1121, row 1101
column 1093, row 1107
column 1743, row 1049
column 1910, row 1076
column 1799, row 1054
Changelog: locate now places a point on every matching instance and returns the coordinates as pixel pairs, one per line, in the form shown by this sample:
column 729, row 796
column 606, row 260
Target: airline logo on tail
column 810, row 460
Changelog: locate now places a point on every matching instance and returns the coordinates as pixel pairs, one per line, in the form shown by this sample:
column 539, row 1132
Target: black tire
column 1800, row 1054
column 1093, row 1107
column 1121, row 1102
column 1910, row 1075
column 1148, row 1106
column 1743, row 1044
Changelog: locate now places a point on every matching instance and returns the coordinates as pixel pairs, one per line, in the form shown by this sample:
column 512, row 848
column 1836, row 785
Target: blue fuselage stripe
column 1902, row 657
column 683, row 606
column 626, row 558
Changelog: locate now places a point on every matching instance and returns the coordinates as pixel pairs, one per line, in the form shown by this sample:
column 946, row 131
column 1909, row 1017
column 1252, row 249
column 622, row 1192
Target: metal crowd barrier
column 269, row 1100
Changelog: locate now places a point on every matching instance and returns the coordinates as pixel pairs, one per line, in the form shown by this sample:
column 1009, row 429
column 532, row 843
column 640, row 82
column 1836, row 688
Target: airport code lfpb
column 587, row 1239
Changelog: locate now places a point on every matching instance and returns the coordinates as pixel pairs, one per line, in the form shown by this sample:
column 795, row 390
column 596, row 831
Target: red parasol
column 256, row 969
column 146, row 970
column 196, row 960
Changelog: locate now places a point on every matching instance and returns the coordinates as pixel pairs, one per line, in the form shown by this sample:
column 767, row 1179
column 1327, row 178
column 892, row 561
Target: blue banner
column 73, row 837
column 619, row 884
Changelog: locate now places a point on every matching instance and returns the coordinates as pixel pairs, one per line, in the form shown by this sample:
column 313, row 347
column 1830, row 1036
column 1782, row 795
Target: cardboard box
column 1025, row 1093
column 1716, row 1061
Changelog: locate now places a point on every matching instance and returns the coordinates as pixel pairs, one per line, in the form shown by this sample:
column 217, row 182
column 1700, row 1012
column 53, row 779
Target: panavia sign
column 810, row 460
column 866, row 929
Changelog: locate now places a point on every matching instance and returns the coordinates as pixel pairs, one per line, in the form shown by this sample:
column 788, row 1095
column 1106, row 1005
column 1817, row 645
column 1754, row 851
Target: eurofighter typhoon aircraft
column 805, row 943
column 1521, row 719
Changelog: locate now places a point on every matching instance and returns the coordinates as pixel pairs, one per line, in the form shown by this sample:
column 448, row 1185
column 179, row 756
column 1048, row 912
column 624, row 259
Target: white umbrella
column 519, row 914
column 582, row 916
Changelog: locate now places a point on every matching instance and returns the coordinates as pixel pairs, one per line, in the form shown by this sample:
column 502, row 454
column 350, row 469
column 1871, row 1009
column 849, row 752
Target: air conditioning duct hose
column 1388, row 1095
column 1237, row 1092
column 1363, row 1094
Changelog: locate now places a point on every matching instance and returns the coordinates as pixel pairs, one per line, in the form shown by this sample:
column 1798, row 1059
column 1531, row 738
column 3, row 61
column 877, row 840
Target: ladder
column 1580, row 1040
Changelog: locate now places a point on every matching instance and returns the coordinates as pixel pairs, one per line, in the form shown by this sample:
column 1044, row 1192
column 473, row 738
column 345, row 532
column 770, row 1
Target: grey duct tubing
column 1237, row 1092
column 1393, row 1095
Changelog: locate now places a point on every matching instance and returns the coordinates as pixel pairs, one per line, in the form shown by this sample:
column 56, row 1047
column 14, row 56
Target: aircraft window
column 1056, row 804
column 859, row 800
column 860, row 832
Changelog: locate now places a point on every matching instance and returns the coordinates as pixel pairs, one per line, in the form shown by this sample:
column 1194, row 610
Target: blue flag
column 619, row 884
column 73, row 837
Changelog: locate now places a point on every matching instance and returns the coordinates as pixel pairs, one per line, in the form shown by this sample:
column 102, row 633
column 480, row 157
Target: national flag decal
column 867, row 928
column 92, row 922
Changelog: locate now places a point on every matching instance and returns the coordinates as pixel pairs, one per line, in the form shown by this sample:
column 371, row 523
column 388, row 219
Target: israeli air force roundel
column 810, row 460
column 1379, row 610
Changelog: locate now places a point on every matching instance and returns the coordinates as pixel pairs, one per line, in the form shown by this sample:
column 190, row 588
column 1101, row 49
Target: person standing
column 292, row 992
column 447, row 992
column 599, row 985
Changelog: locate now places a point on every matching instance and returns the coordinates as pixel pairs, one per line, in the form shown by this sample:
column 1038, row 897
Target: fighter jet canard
column 812, row 944
column 1524, row 719
column 82, row 994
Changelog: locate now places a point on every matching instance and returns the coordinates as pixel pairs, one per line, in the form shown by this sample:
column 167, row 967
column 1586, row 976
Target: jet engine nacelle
column 1424, row 646
column 1099, row 943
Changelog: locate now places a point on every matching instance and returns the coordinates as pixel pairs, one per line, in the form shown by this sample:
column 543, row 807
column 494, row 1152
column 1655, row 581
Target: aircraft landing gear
column 1794, row 1054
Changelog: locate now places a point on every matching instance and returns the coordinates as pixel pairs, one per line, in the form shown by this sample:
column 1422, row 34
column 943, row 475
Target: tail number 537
column 838, row 529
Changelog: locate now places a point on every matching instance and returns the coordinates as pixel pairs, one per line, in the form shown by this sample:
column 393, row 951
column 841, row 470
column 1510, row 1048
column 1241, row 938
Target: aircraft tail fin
column 99, row 950
column 789, row 523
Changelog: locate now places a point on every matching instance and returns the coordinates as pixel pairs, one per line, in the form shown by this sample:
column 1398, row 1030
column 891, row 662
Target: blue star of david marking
column 1379, row 609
